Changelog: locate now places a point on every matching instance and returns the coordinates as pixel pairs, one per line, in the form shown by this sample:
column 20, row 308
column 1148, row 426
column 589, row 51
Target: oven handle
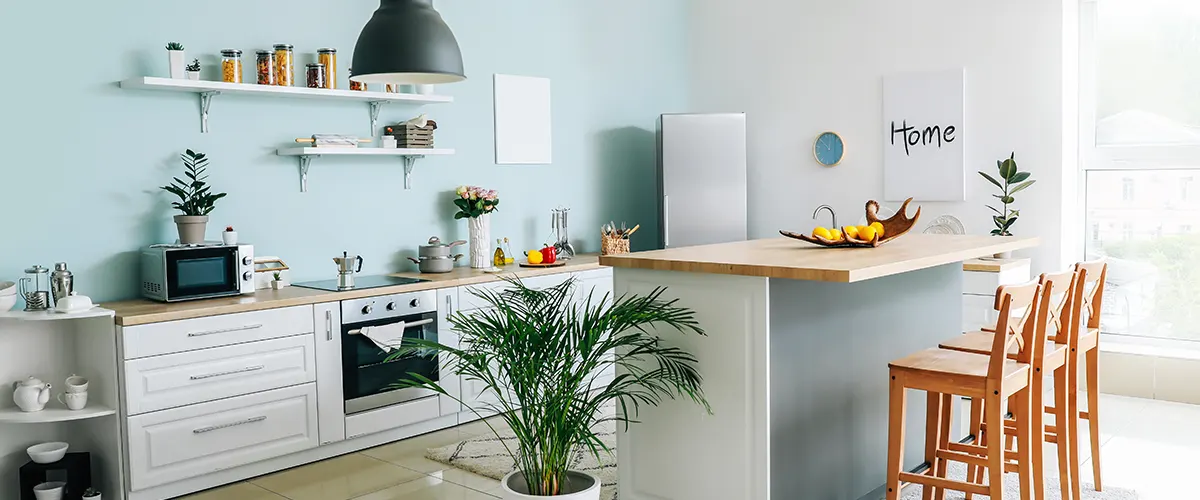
column 358, row 331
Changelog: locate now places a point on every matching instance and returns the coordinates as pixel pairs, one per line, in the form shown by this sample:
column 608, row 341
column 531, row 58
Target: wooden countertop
column 141, row 311
column 791, row 259
column 994, row 265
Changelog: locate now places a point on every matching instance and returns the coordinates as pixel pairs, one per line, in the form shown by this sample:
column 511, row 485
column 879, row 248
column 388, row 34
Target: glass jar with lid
column 359, row 86
column 285, row 65
column 315, row 73
column 266, row 67
column 328, row 57
column 231, row 66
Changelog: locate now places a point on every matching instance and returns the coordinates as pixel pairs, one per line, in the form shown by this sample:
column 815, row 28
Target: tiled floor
column 1148, row 446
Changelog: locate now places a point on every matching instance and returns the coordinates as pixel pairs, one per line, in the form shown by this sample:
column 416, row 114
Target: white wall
column 802, row 67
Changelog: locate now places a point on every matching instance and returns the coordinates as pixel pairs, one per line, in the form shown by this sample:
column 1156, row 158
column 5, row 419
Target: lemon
column 851, row 232
column 866, row 233
column 835, row 235
column 878, row 228
column 821, row 232
column 535, row 256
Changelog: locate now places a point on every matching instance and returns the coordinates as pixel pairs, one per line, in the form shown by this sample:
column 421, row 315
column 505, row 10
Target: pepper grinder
column 62, row 282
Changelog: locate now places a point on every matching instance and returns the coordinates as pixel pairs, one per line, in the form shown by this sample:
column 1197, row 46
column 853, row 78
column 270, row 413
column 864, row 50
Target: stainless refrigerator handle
column 666, row 221
column 329, row 326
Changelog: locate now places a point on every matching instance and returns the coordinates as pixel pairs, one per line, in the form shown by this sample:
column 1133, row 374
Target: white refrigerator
column 701, row 179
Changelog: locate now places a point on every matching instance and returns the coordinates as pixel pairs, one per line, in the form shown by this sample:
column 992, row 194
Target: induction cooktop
column 360, row 283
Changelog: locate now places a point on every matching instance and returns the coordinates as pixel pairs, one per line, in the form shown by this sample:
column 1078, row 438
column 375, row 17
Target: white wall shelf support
column 409, row 163
column 305, row 162
column 205, row 104
column 409, row 158
column 376, row 106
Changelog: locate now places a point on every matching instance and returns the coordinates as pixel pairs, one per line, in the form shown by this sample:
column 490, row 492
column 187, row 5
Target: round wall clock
column 829, row 149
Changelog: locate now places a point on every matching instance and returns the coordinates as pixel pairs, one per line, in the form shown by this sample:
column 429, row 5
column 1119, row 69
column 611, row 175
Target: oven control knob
column 415, row 303
column 247, row 260
column 391, row 306
column 367, row 309
column 247, row 276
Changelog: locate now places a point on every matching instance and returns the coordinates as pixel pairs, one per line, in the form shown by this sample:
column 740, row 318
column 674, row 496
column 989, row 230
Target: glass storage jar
column 231, row 66
column 328, row 57
column 266, row 67
column 359, row 86
column 316, row 75
column 285, row 65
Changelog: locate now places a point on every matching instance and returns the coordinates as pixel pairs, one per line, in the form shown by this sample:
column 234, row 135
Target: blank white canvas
column 522, row 120
column 930, row 108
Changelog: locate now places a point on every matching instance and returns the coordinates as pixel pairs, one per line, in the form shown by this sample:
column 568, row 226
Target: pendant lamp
column 407, row 42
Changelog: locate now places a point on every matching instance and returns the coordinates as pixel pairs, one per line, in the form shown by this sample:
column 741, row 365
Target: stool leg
column 993, row 411
column 933, row 414
column 1093, row 397
column 944, row 440
column 1064, row 444
column 1037, row 433
column 1023, row 415
column 973, row 428
column 896, row 412
column 1072, row 422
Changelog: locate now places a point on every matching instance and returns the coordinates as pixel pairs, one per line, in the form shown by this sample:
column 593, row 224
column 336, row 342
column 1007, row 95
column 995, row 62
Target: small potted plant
column 196, row 198
column 193, row 70
column 229, row 236
column 91, row 494
column 1011, row 182
column 175, row 57
column 476, row 204
column 278, row 283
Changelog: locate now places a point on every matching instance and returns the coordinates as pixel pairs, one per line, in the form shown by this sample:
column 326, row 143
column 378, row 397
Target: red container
column 549, row 255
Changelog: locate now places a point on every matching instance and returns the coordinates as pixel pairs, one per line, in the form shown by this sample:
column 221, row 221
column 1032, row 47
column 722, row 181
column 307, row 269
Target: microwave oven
column 174, row 273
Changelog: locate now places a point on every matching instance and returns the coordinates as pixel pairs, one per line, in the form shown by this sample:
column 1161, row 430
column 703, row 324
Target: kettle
column 31, row 394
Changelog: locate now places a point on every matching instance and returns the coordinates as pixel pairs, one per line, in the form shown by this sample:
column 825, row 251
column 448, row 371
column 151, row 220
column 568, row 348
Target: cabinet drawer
column 985, row 283
column 202, row 333
column 173, row 445
column 161, row 382
column 467, row 300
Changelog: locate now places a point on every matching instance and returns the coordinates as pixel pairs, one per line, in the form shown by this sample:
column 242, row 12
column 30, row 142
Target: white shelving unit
column 48, row 415
column 208, row 90
column 409, row 156
column 95, row 312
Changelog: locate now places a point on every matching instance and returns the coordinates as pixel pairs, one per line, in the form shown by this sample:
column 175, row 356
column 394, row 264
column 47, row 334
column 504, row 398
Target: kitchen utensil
column 435, row 247
column 49, row 491
column 543, row 265
column 440, row 264
column 62, row 281
column 631, row 231
column 346, row 269
column 894, row 227
column 563, row 242
column 75, row 383
column 47, row 453
column 31, row 394
column 74, row 401
column 73, row 303
column 35, row 288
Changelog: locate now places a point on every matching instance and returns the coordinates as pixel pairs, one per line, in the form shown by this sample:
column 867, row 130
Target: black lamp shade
column 406, row 41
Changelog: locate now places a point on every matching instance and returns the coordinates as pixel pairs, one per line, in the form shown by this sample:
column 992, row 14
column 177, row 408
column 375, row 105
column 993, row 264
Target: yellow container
column 231, row 66
column 328, row 57
column 285, row 65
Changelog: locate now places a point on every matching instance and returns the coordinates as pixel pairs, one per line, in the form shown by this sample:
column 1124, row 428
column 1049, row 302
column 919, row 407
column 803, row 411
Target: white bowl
column 49, row 491
column 7, row 288
column 47, row 453
column 7, row 302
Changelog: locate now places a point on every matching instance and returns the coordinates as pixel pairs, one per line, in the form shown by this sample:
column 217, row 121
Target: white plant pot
column 175, row 59
column 587, row 487
column 481, row 239
column 229, row 237
column 278, row 285
column 193, row 76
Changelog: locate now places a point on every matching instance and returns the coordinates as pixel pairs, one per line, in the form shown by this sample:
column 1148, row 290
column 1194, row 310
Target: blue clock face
column 829, row 149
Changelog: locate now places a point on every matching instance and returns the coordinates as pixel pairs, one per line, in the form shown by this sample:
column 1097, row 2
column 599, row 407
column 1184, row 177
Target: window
column 1140, row 154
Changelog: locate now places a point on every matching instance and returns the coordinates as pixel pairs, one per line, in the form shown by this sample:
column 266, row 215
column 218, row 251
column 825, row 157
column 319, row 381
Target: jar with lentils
column 266, row 67
column 285, row 65
column 316, row 75
column 328, row 57
column 231, row 66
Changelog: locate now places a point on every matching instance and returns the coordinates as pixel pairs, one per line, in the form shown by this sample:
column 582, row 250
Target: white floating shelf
column 409, row 156
column 16, row 416
column 207, row 90
column 19, row 315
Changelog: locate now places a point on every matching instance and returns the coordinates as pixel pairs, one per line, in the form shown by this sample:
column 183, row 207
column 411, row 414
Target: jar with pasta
column 231, row 66
column 266, row 67
column 359, row 86
column 316, row 75
column 328, row 57
column 285, row 65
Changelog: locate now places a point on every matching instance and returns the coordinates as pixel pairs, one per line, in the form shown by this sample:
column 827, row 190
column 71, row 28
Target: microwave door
column 197, row 273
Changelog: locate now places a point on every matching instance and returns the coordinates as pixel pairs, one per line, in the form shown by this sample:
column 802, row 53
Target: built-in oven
column 370, row 327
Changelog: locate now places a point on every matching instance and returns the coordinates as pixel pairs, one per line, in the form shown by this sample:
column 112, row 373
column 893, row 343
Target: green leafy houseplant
column 539, row 353
column 174, row 46
column 1012, row 181
column 193, row 66
column 195, row 195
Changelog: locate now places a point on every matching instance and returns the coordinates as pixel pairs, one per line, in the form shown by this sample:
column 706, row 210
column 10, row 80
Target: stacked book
column 410, row 136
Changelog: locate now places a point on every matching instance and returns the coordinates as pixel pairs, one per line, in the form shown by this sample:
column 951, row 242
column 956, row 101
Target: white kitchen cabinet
column 597, row 284
column 182, row 443
column 215, row 331
column 174, row 380
column 331, row 404
column 981, row 278
column 447, row 300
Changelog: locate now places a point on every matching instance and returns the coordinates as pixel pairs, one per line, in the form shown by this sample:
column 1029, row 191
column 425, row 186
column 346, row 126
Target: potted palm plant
column 540, row 353
column 196, row 198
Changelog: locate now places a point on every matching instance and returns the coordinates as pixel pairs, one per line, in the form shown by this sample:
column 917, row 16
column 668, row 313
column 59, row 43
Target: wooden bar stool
column 1061, row 295
column 994, row 379
column 1094, row 276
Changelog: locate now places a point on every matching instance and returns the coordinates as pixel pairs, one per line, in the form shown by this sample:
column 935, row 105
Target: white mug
column 75, row 383
column 49, row 491
column 73, row 400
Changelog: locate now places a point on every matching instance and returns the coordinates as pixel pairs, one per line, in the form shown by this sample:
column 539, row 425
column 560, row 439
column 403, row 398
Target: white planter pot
column 229, row 237
column 583, row 486
column 278, row 285
column 481, row 239
column 193, row 76
column 175, row 60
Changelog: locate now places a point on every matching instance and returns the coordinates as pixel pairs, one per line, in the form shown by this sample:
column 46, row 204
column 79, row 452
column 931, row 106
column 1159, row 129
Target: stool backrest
column 1023, row 330
column 1095, row 275
column 1061, row 310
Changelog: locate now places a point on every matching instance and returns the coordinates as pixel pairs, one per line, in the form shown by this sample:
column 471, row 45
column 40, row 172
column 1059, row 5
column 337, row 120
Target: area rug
column 485, row 455
column 1012, row 488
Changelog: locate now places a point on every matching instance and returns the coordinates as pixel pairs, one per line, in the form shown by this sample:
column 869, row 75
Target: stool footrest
column 949, row 484
column 965, row 458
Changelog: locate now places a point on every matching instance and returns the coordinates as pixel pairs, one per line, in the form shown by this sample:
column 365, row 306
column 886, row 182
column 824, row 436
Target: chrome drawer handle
column 202, row 430
column 225, row 330
column 231, row 372
column 328, row 326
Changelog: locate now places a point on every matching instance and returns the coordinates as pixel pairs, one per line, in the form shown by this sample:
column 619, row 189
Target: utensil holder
column 613, row 245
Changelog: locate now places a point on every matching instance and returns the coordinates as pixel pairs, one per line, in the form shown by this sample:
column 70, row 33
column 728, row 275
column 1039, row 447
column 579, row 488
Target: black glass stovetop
column 360, row 283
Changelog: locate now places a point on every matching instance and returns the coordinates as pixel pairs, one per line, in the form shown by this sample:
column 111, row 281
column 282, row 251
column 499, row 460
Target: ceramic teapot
column 31, row 394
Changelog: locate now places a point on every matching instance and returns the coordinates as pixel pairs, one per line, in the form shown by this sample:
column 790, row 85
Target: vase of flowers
column 476, row 205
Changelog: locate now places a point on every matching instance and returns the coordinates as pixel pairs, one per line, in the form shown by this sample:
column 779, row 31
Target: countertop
column 994, row 265
column 792, row 259
column 141, row 311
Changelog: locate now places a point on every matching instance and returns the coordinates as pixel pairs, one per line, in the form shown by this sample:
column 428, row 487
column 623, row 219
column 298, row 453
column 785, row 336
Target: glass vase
column 481, row 237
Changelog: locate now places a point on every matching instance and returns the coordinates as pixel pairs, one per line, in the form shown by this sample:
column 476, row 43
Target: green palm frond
column 195, row 196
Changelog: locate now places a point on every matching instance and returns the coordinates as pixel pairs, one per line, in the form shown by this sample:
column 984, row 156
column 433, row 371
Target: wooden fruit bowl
column 893, row 228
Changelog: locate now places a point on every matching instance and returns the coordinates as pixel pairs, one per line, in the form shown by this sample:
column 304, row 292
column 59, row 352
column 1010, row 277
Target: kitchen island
column 794, row 364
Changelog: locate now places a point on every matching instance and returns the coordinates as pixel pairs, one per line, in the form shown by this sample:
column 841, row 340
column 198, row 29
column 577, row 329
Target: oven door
column 196, row 273
column 368, row 377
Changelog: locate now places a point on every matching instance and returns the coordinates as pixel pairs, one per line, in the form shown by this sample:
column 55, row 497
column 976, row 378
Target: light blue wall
column 83, row 158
